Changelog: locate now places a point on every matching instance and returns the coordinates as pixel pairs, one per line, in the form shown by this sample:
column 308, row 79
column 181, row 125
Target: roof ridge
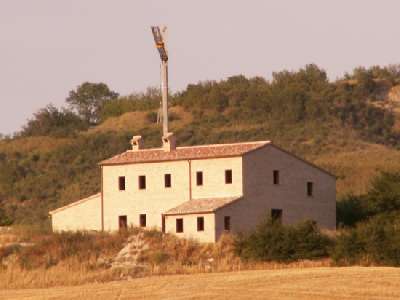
column 228, row 144
column 97, row 195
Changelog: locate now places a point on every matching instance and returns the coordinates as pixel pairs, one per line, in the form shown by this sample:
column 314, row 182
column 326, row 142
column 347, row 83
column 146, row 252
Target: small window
column 121, row 183
column 310, row 188
column 276, row 215
column 276, row 177
column 227, row 223
column 228, row 176
column 167, row 180
column 142, row 220
column 199, row 178
column 179, row 225
column 142, row 182
column 200, row 223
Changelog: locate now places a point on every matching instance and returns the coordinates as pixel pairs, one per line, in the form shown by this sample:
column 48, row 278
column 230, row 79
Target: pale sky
column 48, row 47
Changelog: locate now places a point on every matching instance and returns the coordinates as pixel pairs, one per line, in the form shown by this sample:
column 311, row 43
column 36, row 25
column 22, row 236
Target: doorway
column 276, row 215
column 123, row 222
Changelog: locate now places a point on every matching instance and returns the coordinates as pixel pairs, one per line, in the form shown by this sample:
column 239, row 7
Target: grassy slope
column 342, row 152
column 354, row 161
column 307, row 283
column 67, row 170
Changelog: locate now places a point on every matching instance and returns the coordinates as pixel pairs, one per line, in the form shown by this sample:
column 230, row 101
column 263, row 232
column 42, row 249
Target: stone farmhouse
column 203, row 191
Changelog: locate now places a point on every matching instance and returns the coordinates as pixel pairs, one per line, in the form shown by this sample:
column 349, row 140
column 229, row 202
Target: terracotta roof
column 201, row 205
column 75, row 203
column 183, row 153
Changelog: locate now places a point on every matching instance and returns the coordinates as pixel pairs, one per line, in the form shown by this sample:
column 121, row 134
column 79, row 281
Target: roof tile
column 201, row 205
column 183, row 153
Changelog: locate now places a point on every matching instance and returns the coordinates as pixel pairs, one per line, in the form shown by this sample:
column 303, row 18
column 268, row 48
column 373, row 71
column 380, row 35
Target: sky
column 49, row 47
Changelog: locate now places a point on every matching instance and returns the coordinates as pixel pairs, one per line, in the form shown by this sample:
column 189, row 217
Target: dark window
column 142, row 182
column 121, row 183
column 310, row 187
column 228, row 176
column 227, row 223
column 142, row 220
column 199, row 178
column 123, row 222
column 200, row 223
column 167, row 180
column 179, row 225
column 276, row 215
column 276, row 177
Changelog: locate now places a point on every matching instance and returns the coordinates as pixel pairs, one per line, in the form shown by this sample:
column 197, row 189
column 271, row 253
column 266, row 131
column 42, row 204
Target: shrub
column 376, row 241
column 350, row 210
column 272, row 241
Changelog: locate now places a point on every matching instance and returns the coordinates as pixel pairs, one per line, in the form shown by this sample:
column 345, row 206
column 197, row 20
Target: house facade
column 201, row 192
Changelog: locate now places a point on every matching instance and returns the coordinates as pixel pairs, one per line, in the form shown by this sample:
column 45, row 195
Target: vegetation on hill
column 53, row 160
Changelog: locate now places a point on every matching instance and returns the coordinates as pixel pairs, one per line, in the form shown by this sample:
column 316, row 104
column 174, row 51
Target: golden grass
column 166, row 255
column 356, row 169
column 71, row 272
column 67, row 273
column 135, row 121
column 298, row 283
column 128, row 121
column 41, row 144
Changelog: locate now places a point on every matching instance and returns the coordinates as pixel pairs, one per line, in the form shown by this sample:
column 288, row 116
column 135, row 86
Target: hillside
column 308, row 283
column 349, row 126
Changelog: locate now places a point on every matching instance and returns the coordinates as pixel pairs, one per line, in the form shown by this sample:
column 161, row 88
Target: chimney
column 137, row 143
column 169, row 142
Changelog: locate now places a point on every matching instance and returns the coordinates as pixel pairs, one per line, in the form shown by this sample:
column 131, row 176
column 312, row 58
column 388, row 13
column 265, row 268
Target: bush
column 376, row 241
column 350, row 210
column 272, row 241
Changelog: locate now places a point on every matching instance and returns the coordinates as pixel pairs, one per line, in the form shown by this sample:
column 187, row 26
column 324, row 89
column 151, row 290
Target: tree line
column 291, row 107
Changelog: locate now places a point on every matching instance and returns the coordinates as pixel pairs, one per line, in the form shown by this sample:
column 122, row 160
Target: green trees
column 50, row 121
column 384, row 195
column 383, row 198
column 372, row 235
column 88, row 100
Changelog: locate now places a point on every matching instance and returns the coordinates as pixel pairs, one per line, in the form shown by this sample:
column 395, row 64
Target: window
column 199, row 178
column 200, row 223
column 310, row 187
column 122, row 222
column 179, row 225
column 276, row 215
column 228, row 176
column 276, row 177
column 167, row 180
column 142, row 182
column 227, row 223
column 121, row 183
column 142, row 220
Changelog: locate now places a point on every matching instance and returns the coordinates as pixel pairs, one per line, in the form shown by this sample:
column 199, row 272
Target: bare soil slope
column 312, row 283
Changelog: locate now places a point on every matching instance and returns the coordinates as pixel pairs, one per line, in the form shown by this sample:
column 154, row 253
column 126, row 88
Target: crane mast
column 159, row 35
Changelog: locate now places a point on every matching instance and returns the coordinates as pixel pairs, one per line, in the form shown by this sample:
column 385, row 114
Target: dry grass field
column 302, row 283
